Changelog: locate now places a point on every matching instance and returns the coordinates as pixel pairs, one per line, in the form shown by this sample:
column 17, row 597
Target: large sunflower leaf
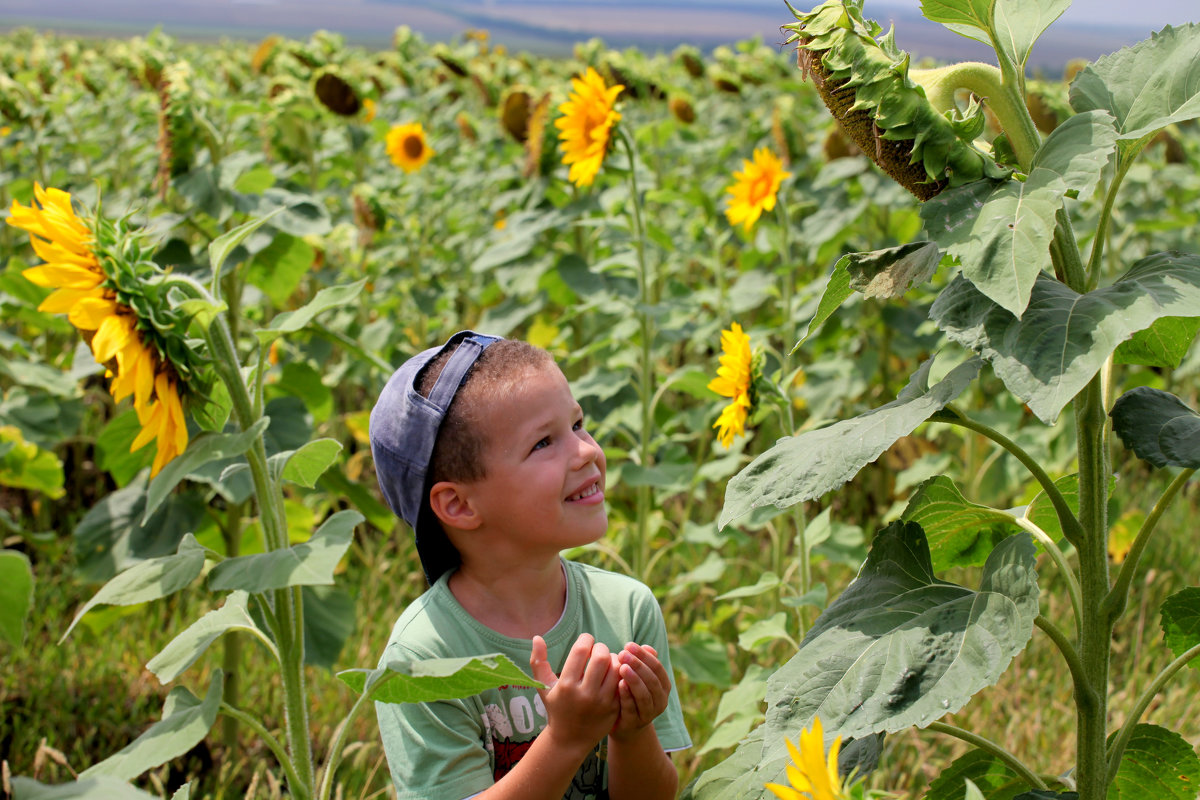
column 1000, row 232
column 1078, row 150
column 802, row 467
column 1049, row 355
column 899, row 647
column 432, row 679
column 1163, row 344
column 892, row 272
column 1181, row 622
column 101, row 787
column 994, row 779
column 310, row 563
column 182, row 651
column 1019, row 23
column 1158, row 764
column 16, row 595
column 837, row 291
column 148, row 580
column 202, row 449
column 1158, row 427
column 960, row 533
column 1147, row 86
column 969, row 18
column 185, row 722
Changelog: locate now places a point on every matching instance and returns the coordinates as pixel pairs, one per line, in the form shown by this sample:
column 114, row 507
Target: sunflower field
column 840, row 319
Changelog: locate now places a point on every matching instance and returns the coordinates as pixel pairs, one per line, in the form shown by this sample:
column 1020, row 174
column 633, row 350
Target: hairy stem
column 268, row 739
column 1066, row 518
column 1059, row 558
column 989, row 746
column 1119, row 596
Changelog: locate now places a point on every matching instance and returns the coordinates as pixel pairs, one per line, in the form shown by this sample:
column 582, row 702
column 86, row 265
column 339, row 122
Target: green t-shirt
column 452, row 749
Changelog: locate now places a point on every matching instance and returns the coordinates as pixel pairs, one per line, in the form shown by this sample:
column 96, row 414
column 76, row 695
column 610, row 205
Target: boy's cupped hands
column 600, row 692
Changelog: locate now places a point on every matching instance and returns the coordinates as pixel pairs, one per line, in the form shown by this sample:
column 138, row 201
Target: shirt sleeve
column 435, row 751
column 652, row 630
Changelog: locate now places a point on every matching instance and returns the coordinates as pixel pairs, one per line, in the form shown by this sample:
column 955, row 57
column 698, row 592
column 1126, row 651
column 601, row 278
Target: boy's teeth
column 591, row 490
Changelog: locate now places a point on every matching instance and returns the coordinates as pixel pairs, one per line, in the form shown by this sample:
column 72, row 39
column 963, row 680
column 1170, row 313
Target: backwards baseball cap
column 404, row 428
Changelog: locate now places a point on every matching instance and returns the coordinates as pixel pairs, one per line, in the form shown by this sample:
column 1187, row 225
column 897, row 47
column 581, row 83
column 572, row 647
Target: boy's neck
column 521, row 602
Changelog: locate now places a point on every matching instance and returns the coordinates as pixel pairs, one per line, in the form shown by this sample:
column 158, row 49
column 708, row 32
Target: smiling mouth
column 588, row 492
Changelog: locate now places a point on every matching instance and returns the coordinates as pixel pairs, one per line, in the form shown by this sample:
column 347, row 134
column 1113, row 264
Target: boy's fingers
column 539, row 665
column 638, row 688
column 599, row 667
column 577, row 659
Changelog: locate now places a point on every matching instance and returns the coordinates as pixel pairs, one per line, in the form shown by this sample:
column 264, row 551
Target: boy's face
column 544, row 485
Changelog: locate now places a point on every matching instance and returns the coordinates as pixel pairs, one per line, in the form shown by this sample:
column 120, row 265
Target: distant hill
column 543, row 26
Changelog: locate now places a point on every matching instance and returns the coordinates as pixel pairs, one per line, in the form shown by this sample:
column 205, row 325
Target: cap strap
column 451, row 377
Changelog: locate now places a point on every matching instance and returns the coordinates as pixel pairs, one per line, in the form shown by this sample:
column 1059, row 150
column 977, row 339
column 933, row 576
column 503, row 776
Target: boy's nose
column 587, row 451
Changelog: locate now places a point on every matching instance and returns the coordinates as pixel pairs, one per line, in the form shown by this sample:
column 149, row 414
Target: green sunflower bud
column 864, row 80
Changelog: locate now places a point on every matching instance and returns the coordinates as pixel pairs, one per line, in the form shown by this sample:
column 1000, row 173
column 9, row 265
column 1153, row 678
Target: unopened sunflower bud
column 864, row 80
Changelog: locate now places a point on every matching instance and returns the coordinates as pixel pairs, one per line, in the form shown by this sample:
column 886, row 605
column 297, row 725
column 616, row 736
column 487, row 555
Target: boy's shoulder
column 422, row 628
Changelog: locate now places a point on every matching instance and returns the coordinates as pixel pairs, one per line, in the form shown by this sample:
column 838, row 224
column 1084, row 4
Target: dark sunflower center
column 413, row 147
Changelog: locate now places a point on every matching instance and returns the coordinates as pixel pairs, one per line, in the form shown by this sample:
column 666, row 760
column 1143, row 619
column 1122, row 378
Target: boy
column 480, row 447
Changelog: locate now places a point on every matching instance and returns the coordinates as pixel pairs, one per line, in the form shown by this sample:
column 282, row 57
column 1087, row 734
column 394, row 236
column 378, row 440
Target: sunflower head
column 336, row 94
column 865, row 82
column 105, row 283
column 813, row 774
column 736, row 379
column 407, row 148
column 755, row 189
column 585, row 127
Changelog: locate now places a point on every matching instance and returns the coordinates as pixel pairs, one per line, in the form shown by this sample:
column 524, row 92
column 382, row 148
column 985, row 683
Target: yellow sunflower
column 755, row 188
column 813, row 775
column 407, row 148
column 735, row 380
column 369, row 109
column 81, row 292
column 585, row 126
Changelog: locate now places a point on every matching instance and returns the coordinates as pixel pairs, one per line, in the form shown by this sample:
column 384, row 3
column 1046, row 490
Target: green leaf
column 336, row 483
column 960, row 533
column 24, row 465
column 278, row 268
column 182, row 651
column 703, row 659
column 113, row 453
column 799, row 468
column 837, row 291
column 1181, row 622
column 328, row 622
column 970, row 18
column 307, row 564
column 1019, row 23
column 765, row 583
column 1000, row 232
column 204, row 448
column 892, row 272
column 1158, row 764
column 1064, row 338
column 305, row 382
column 306, row 465
column 991, row 776
column 899, row 647
column 1163, row 344
column 148, row 580
column 1158, row 427
column 112, row 536
column 1047, row 794
column 433, row 679
column 16, row 595
column 186, row 721
column 1078, row 150
column 220, row 248
column 291, row 321
column 101, row 787
column 1146, row 87
column 765, row 630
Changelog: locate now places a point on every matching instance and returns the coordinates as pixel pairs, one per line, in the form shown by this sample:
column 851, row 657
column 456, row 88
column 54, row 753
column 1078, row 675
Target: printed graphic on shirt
column 510, row 728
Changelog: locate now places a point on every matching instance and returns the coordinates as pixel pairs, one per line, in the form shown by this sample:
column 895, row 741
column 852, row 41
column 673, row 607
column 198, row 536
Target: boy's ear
column 451, row 503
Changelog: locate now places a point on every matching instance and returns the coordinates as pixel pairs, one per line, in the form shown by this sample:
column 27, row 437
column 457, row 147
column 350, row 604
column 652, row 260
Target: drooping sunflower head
column 105, row 283
column 407, row 147
column 755, row 189
column 865, row 82
column 736, row 379
column 336, row 94
column 585, row 127
column 813, row 774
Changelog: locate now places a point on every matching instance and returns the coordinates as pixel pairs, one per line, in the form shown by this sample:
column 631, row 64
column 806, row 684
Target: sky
column 1153, row 14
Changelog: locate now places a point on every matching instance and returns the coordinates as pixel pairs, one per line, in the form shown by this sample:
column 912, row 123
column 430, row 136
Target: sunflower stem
column 645, row 374
column 988, row 745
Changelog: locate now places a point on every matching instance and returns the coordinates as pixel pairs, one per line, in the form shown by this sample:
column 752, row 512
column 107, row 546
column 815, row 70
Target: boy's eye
column 543, row 442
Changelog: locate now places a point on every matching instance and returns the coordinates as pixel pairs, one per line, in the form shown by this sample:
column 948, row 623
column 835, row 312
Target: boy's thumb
column 540, row 666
